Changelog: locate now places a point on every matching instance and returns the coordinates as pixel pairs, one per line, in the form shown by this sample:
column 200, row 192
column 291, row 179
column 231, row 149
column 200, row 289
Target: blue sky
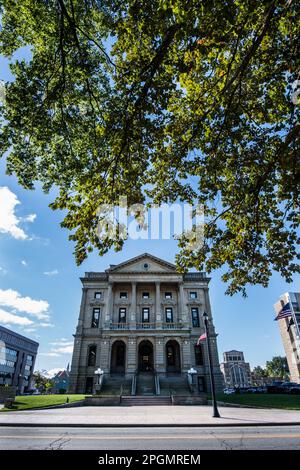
column 39, row 281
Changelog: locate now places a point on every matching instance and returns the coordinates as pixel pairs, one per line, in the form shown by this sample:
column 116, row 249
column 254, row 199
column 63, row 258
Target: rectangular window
column 146, row 295
column 145, row 315
column 168, row 295
column 123, row 295
column 122, row 315
column 169, row 315
column 95, row 318
column 193, row 295
column 201, row 384
column 195, row 317
column 92, row 355
column 199, row 355
column 98, row 295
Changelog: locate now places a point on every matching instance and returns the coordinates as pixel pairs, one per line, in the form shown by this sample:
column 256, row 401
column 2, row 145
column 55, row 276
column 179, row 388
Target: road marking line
column 216, row 436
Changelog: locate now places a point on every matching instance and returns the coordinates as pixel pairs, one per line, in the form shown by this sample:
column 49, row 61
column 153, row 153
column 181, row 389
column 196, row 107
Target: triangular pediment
column 143, row 263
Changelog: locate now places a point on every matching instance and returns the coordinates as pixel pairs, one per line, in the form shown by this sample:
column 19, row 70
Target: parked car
column 260, row 389
column 287, row 386
column 229, row 391
column 295, row 389
column 275, row 387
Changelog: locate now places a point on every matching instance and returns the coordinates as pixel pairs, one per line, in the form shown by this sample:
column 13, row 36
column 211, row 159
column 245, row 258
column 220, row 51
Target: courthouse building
column 141, row 319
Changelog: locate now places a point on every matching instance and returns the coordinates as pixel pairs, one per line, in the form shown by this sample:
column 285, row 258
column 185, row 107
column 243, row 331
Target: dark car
column 275, row 387
column 287, row 386
column 295, row 389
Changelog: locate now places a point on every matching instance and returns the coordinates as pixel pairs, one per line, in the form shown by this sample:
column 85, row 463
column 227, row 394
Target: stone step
column 141, row 400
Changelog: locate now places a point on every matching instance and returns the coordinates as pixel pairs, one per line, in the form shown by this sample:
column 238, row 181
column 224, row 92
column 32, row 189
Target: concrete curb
column 154, row 425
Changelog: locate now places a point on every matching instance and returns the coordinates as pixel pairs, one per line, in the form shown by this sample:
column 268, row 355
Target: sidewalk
column 135, row 416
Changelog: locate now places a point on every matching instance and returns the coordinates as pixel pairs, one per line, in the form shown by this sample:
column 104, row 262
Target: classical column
column 109, row 303
column 82, row 311
column 131, row 355
column 181, row 304
column 133, row 303
column 157, row 302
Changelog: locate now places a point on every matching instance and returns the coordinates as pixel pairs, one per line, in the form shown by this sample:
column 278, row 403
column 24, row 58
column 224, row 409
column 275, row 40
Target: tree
column 277, row 367
column 259, row 372
column 162, row 101
column 42, row 381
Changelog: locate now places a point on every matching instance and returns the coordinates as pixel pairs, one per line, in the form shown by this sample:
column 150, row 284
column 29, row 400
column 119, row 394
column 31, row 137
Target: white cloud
column 3, row 271
column 46, row 325
column 63, row 342
column 52, row 372
column 61, row 346
column 11, row 298
column 50, row 354
column 24, row 263
column 29, row 218
column 6, row 317
column 9, row 221
column 64, row 350
column 51, row 273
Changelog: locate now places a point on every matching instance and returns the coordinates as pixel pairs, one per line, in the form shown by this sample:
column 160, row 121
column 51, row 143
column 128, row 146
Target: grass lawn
column 37, row 401
column 266, row 400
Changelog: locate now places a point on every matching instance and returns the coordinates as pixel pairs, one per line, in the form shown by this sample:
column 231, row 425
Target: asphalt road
column 172, row 438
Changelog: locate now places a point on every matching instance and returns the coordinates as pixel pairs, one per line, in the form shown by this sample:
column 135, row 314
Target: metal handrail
column 119, row 326
column 172, row 325
column 156, row 382
column 145, row 326
column 133, row 383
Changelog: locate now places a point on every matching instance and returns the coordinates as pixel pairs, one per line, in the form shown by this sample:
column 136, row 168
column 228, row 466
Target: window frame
column 199, row 353
column 122, row 319
column 92, row 354
column 171, row 318
column 143, row 317
column 195, row 319
column 95, row 321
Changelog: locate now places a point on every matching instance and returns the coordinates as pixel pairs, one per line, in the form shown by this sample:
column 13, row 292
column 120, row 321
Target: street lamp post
column 216, row 413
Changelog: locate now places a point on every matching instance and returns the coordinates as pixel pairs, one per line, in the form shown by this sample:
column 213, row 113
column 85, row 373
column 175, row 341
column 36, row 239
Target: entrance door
column 89, row 385
column 173, row 357
column 145, row 356
column 118, row 356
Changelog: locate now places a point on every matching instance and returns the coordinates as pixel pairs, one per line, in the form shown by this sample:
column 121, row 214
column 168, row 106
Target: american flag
column 284, row 312
column 201, row 338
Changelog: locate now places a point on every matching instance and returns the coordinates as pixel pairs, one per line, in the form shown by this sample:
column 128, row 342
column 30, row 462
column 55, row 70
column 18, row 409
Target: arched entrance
column 118, row 358
column 173, row 363
column 145, row 356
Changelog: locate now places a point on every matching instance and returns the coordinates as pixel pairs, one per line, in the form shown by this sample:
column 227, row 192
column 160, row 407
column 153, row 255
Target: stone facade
column 235, row 370
column 289, row 328
column 141, row 315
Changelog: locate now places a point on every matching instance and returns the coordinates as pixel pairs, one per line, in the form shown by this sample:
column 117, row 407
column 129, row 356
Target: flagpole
column 216, row 413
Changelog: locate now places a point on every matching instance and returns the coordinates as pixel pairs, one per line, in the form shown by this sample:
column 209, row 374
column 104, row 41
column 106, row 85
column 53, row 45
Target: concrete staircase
column 115, row 385
column 145, row 400
column 175, row 385
column 145, row 384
